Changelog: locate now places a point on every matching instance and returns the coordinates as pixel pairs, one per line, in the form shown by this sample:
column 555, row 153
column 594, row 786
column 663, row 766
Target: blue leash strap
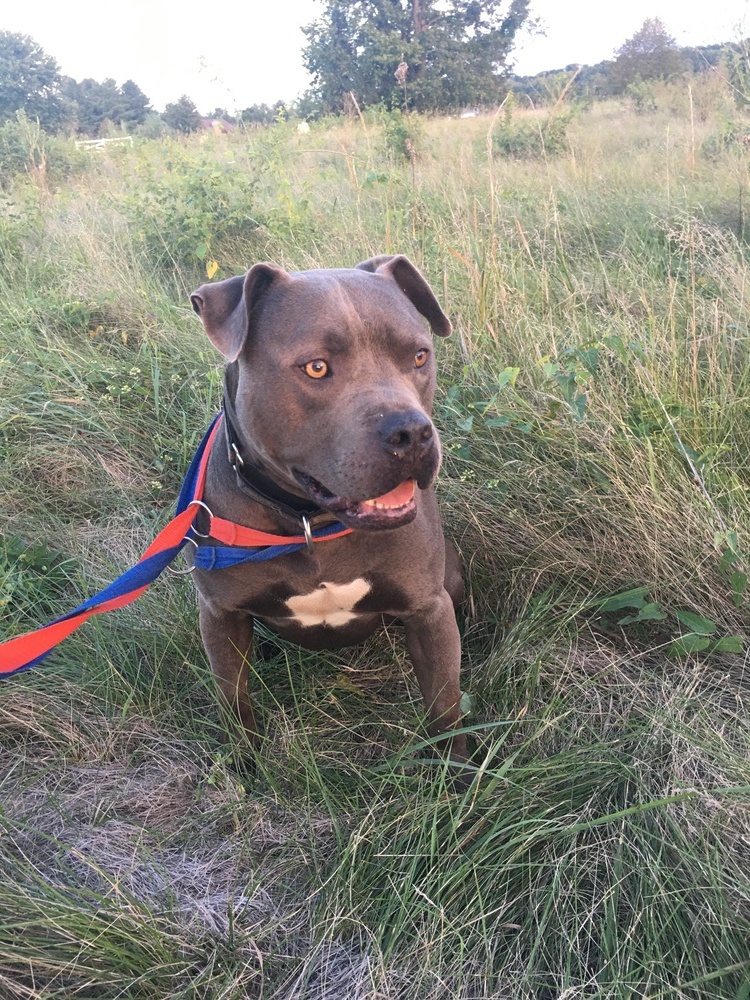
column 27, row 650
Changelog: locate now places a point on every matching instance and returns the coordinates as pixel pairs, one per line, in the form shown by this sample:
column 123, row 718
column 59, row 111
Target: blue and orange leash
column 239, row 544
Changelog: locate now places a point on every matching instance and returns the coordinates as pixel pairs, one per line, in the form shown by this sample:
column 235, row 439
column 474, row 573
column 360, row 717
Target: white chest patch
column 329, row 604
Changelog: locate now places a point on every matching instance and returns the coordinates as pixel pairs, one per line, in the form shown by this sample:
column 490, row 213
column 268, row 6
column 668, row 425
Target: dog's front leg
column 434, row 645
column 228, row 638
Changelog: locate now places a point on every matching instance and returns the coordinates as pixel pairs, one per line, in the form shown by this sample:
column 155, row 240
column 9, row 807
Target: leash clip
column 308, row 535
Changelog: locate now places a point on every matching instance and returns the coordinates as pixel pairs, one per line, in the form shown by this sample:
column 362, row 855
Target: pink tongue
column 399, row 496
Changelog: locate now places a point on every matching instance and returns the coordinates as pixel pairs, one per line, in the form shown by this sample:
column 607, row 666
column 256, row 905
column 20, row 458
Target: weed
column 403, row 134
column 641, row 96
column 187, row 210
column 531, row 138
column 25, row 149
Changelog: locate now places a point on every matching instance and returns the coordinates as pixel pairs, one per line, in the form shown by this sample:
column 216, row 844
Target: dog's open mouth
column 390, row 510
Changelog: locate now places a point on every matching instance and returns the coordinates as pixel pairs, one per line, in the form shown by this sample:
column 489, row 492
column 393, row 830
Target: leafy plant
column 525, row 138
column 187, row 211
column 697, row 633
column 640, row 94
column 403, row 134
column 26, row 149
column 32, row 578
column 732, row 135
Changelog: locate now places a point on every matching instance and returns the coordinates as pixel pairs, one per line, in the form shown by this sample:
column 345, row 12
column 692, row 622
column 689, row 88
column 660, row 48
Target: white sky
column 243, row 52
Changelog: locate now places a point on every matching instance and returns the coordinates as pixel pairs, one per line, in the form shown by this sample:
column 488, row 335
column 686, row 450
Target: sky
column 245, row 52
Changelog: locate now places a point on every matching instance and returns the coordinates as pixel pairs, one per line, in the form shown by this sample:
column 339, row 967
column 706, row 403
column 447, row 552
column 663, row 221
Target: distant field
column 595, row 409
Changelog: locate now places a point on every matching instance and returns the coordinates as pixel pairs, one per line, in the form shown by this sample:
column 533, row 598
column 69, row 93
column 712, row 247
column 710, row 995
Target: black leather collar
column 259, row 487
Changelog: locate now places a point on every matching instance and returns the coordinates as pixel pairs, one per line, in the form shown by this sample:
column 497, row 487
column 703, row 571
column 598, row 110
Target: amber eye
column 316, row 369
column 420, row 358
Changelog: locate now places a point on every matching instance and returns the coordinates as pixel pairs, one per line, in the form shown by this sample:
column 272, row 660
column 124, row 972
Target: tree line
column 425, row 55
column 31, row 83
column 651, row 54
column 415, row 55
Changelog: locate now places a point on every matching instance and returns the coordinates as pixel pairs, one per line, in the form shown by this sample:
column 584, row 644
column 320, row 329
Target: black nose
column 406, row 433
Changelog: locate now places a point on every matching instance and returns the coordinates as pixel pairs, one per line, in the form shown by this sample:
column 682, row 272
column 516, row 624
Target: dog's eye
column 316, row 369
column 420, row 358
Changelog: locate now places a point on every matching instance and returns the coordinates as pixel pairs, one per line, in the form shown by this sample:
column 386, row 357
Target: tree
column 455, row 51
column 263, row 114
column 95, row 103
column 651, row 54
column 257, row 114
column 135, row 105
column 182, row 115
column 30, row 81
column 222, row 115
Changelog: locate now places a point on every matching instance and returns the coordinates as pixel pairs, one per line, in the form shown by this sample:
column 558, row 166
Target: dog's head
column 335, row 376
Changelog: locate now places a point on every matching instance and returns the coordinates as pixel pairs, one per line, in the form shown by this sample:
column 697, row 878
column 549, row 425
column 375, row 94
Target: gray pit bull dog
column 329, row 385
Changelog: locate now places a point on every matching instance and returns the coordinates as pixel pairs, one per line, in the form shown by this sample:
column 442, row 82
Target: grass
column 594, row 410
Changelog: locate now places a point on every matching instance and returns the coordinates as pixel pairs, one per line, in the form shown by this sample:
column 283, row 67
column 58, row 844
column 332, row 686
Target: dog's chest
column 331, row 604
column 320, row 611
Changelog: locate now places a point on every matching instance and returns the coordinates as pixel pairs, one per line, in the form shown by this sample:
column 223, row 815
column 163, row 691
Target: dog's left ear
column 414, row 287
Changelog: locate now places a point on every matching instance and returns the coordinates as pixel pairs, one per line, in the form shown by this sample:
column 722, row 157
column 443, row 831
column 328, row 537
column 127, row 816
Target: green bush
column 26, row 148
column 732, row 135
column 532, row 139
column 187, row 208
column 641, row 96
column 403, row 135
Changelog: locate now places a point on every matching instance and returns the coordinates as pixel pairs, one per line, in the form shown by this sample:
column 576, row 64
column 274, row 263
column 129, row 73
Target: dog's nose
column 406, row 433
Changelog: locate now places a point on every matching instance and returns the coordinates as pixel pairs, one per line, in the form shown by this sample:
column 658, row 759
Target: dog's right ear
column 227, row 307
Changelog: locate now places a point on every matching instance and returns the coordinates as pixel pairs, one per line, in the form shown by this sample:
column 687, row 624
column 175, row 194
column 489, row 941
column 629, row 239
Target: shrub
column 187, row 209
column 641, row 96
column 732, row 135
column 533, row 139
column 25, row 148
column 403, row 135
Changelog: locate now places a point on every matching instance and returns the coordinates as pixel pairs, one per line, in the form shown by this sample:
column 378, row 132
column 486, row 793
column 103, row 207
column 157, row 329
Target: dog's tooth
column 379, row 505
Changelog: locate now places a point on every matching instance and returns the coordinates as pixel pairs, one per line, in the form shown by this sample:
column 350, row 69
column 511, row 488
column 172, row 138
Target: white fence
column 123, row 140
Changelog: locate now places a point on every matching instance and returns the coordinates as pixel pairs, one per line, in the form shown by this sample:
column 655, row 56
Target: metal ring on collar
column 308, row 535
column 184, row 572
column 199, row 503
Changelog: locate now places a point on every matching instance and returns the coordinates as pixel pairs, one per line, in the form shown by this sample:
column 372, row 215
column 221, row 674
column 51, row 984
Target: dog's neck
column 251, row 479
